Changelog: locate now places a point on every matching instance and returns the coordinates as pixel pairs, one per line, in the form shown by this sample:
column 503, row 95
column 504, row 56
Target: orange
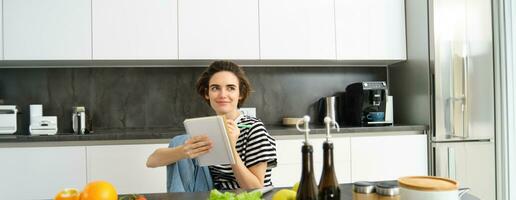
column 99, row 190
column 67, row 194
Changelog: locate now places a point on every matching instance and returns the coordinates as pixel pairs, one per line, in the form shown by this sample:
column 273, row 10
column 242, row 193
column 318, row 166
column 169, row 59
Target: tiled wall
column 154, row 98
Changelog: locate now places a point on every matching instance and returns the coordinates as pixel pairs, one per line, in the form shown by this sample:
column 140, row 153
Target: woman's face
column 223, row 92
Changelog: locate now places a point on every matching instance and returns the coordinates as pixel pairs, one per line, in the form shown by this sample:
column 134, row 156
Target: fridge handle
column 465, row 131
column 451, row 164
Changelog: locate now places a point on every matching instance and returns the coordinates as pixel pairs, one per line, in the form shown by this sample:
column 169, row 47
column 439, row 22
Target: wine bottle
column 307, row 186
column 328, row 184
column 307, row 189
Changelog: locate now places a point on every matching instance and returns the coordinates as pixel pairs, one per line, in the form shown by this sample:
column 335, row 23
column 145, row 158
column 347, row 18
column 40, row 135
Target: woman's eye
column 232, row 89
column 214, row 89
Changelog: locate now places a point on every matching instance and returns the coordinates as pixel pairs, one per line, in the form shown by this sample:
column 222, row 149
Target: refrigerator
column 462, row 75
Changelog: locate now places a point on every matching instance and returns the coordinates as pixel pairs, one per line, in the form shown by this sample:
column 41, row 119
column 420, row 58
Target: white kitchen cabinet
column 288, row 171
column 370, row 29
column 379, row 158
column 472, row 164
column 223, row 29
column 47, row 30
column 1, row 32
column 134, row 29
column 41, row 172
column 125, row 167
column 297, row 29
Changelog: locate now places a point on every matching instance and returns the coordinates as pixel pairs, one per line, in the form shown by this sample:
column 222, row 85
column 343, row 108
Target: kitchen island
column 346, row 194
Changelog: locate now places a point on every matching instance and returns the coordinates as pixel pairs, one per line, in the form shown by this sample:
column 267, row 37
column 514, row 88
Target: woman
column 225, row 87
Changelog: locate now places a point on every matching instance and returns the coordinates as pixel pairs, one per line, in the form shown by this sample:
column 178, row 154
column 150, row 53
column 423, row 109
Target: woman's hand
column 233, row 132
column 196, row 146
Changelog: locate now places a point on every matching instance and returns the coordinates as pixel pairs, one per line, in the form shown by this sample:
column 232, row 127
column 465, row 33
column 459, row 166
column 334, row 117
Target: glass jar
column 363, row 190
column 387, row 191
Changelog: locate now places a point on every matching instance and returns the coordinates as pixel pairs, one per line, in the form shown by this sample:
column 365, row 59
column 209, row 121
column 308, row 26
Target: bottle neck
column 328, row 155
column 308, row 167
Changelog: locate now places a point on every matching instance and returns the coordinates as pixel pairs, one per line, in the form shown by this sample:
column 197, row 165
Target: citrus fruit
column 99, row 190
column 295, row 187
column 284, row 194
column 67, row 194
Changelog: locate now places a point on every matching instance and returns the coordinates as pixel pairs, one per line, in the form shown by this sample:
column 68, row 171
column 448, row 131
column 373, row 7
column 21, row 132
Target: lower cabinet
column 288, row 171
column 357, row 158
column 40, row 172
column 124, row 166
column 379, row 158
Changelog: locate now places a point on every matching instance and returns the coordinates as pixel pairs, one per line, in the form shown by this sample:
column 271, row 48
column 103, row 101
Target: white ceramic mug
column 411, row 194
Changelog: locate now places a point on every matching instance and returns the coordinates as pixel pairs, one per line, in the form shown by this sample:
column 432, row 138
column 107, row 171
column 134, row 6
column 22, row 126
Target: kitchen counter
column 137, row 136
column 346, row 194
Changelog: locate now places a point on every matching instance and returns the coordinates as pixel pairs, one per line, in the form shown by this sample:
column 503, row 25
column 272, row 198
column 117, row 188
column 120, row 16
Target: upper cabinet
column 47, row 30
column 221, row 29
column 297, row 29
column 324, row 30
column 370, row 29
column 134, row 29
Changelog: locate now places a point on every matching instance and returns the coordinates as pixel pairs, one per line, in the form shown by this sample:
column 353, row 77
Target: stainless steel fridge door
column 472, row 164
column 462, row 69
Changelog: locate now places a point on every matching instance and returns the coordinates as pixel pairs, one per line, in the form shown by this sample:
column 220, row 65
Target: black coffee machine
column 365, row 104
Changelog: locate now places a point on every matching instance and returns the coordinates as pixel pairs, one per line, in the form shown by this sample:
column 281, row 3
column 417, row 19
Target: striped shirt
column 254, row 145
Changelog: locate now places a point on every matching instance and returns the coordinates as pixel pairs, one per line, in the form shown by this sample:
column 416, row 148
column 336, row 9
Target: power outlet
column 248, row 111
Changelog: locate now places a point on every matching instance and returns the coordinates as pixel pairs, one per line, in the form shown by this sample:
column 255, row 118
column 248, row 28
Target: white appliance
column 39, row 124
column 461, row 52
column 8, row 115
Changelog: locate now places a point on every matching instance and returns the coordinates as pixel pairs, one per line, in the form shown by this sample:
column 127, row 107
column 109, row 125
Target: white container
column 8, row 114
column 429, row 188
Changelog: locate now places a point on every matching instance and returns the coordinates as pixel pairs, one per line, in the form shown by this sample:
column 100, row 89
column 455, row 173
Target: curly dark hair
column 203, row 82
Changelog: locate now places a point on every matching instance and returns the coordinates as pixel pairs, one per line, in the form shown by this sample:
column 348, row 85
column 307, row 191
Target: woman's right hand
column 196, row 146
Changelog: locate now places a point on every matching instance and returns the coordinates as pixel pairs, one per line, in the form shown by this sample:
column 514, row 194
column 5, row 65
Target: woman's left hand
column 233, row 132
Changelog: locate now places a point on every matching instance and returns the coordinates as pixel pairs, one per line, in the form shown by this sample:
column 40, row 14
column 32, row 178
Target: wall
column 161, row 98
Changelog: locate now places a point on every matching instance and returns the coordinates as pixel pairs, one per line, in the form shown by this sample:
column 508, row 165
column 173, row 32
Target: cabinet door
column 134, row 29
column 47, row 30
column 1, row 32
column 379, row 158
column 297, row 29
column 370, row 29
column 39, row 173
column 223, row 29
column 288, row 171
column 342, row 158
column 124, row 166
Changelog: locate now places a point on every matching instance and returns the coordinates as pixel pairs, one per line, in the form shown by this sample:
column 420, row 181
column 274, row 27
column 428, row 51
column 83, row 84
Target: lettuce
column 217, row 195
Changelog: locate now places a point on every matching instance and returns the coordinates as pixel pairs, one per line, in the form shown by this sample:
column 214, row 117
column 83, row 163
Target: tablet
column 214, row 127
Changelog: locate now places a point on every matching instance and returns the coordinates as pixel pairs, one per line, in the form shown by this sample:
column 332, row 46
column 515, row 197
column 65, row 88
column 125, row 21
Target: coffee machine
column 366, row 104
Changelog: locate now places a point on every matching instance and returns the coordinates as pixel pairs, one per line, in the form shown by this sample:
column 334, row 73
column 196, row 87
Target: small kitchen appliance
column 366, row 104
column 8, row 115
column 327, row 107
column 39, row 124
column 79, row 120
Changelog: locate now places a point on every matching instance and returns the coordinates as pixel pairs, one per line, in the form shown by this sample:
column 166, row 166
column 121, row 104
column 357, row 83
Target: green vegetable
column 216, row 195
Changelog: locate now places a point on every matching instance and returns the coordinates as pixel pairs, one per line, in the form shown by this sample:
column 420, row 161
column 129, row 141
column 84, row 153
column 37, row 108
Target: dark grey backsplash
column 161, row 98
